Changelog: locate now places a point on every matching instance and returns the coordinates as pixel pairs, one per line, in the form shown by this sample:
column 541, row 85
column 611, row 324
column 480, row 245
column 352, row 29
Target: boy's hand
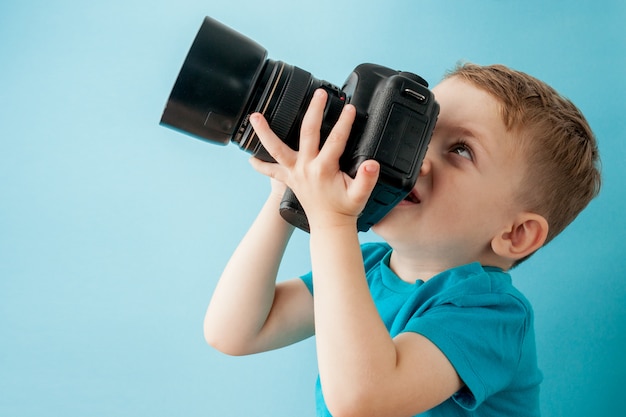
column 329, row 196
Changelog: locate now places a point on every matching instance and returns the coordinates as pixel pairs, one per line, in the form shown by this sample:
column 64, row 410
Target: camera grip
column 291, row 210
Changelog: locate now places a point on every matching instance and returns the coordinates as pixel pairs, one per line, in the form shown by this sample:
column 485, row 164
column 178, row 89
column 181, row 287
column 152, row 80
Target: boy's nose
column 426, row 166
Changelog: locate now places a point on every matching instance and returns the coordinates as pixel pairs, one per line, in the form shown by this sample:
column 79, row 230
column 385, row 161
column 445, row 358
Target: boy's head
column 562, row 162
column 509, row 165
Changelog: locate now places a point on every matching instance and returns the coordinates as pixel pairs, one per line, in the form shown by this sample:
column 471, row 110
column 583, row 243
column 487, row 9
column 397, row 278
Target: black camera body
column 226, row 77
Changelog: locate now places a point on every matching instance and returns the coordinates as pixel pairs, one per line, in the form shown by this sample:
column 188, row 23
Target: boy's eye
column 462, row 150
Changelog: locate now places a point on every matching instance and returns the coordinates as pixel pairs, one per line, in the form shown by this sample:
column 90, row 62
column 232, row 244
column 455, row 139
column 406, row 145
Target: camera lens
column 215, row 83
column 226, row 77
column 283, row 96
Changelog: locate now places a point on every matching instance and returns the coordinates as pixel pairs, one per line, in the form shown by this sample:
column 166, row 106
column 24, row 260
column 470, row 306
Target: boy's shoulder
column 470, row 284
column 480, row 284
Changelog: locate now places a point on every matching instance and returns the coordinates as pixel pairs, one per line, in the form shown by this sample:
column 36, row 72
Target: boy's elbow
column 361, row 400
column 349, row 403
column 215, row 338
column 347, row 409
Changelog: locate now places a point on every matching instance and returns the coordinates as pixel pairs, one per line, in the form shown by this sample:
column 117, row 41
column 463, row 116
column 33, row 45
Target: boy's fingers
column 281, row 153
column 269, row 169
column 336, row 142
column 365, row 180
column 311, row 124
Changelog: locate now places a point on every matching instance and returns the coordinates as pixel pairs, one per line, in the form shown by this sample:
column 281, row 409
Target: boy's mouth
column 412, row 197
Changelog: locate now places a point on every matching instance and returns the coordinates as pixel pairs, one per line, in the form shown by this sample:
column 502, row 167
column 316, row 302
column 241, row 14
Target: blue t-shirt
column 475, row 316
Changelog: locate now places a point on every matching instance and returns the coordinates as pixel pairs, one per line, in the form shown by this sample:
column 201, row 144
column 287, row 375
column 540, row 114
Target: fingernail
column 371, row 168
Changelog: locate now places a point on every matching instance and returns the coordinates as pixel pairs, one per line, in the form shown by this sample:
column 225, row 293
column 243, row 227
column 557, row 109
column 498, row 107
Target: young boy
column 427, row 323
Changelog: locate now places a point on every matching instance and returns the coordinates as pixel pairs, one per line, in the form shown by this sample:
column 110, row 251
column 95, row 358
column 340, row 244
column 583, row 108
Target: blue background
column 113, row 230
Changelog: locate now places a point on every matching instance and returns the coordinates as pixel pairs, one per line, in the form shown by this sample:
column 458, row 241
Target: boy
column 427, row 323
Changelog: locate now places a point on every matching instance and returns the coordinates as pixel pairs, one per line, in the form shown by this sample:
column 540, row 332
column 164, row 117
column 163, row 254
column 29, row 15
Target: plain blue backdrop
column 113, row 230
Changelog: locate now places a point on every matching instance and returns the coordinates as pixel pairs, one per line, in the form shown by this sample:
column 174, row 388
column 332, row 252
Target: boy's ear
column 527, row 234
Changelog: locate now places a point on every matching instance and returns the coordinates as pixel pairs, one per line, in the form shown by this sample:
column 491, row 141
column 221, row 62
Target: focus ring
column 334, row 107
column 290, row 102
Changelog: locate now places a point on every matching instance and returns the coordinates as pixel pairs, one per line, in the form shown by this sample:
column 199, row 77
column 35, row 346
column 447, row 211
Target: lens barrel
column 215, row 83
column 226, row 77
column 284, row 97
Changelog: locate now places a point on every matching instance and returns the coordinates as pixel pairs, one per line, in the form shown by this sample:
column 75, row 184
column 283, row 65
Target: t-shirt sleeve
column 482, row 336
column 308, row 280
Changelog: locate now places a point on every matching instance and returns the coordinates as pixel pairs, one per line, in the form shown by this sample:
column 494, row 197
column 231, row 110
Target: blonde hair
column 563, row 163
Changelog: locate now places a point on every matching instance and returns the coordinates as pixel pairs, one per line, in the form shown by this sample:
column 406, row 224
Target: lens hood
column 215, row 83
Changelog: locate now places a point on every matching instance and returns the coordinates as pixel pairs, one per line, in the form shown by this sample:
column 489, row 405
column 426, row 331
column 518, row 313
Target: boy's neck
column 411, row 268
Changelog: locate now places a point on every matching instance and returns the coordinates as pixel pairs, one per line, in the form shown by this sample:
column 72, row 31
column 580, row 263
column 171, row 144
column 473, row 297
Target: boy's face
column 464, row 195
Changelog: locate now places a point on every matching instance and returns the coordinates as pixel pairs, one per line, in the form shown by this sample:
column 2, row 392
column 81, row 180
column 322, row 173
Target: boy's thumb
column 366, row 178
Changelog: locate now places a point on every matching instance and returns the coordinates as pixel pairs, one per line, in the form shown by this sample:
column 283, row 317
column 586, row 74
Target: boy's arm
column 249, row 312
column 363, row 371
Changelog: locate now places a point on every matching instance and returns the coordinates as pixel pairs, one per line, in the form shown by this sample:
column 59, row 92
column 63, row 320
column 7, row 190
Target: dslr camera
column 227, row 76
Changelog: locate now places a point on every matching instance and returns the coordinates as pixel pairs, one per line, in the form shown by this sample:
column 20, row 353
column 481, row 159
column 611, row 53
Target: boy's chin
column 396, row 222
column 385, row 226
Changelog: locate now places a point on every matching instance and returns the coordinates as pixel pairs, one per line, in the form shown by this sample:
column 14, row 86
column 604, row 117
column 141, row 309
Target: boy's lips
column 413, row 197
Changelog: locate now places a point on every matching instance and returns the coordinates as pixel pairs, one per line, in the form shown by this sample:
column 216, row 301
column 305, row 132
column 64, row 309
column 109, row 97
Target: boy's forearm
column 245, row 292
column 353, row 344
